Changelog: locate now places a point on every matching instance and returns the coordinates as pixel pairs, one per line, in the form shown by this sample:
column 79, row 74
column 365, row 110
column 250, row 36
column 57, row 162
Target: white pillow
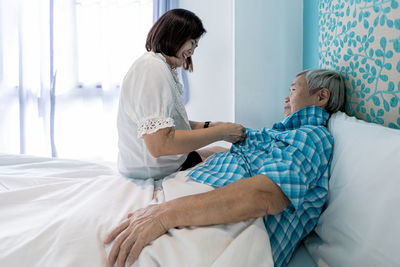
column 361, row 225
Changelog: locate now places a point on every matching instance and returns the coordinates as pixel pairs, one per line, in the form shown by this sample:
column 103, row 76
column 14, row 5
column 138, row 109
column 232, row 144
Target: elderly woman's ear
column 323, row 96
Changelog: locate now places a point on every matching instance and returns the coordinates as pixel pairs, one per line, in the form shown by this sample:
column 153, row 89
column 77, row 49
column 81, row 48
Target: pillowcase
column 361, row 223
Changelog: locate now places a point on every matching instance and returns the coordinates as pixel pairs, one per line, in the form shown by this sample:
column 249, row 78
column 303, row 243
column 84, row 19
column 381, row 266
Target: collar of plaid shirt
column 311, row 115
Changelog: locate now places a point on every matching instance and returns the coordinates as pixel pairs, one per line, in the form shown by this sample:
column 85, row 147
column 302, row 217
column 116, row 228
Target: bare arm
column 168, row 141
column 196, row 125
column 244, row 199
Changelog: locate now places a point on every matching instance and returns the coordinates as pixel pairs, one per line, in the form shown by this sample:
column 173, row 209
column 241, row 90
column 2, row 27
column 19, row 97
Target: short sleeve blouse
column 150, row 100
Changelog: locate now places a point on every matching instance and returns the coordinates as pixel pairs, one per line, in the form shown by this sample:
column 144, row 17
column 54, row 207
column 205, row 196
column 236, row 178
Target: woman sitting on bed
column 156, row 137
column 287, row 171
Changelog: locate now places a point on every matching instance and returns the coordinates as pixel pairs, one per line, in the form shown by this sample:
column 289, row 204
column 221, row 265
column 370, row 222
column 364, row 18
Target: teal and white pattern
column 361, row 39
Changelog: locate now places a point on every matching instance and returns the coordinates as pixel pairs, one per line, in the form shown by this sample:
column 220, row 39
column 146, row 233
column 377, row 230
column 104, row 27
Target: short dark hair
column 172, row 30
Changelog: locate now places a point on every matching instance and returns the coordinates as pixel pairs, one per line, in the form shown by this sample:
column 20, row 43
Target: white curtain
column 61, row 65
column 24, row 76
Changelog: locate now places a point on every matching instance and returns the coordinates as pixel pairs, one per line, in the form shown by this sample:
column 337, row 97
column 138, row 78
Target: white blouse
column 151, row 99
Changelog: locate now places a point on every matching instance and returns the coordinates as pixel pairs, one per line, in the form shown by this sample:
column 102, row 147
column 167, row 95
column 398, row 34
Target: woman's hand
column 232, row 132
column 133, row 234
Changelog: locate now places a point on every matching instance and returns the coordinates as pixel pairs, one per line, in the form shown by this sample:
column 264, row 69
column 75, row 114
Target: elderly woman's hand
column 133, row 234
column 232, row 132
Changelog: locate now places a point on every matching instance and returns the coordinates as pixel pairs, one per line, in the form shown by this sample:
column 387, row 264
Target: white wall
column 268, row 54
column 246, row 61
column 212, row 81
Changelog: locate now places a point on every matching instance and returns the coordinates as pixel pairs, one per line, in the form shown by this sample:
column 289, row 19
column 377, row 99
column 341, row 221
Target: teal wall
column 310, row 34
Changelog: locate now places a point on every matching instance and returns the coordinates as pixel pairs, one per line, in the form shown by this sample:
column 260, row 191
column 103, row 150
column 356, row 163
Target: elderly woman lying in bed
column 287, row 171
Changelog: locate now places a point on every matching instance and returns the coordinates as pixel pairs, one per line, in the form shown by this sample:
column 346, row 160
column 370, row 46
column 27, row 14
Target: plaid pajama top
column 296, row 155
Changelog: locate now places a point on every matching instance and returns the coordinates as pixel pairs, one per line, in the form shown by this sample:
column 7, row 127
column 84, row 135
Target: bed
column 57, row 212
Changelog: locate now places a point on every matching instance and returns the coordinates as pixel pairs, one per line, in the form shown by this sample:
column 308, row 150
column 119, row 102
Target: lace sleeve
column 153, row 125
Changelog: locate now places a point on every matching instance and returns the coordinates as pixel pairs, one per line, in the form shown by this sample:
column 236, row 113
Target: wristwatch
column 206, row 124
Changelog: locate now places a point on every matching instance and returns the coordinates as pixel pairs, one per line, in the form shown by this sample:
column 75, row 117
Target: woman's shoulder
column 148, row 65
column 149, row 60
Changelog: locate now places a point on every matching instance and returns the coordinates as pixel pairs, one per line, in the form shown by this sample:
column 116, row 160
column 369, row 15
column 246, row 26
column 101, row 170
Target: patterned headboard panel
column 361, row 40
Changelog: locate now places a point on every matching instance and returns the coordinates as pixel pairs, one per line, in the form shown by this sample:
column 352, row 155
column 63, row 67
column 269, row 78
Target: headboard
column 361, row 40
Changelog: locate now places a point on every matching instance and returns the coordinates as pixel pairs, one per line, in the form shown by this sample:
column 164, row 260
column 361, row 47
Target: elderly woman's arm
column 244, row 199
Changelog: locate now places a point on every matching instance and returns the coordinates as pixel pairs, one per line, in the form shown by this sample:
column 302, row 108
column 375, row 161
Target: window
column 94, row 43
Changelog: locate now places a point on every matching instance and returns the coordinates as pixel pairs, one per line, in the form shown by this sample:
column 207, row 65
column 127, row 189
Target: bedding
column 57, row 212
column 360, row 226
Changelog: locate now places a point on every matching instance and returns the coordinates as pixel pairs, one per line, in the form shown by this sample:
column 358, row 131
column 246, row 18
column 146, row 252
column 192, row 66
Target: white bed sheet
column 56, row 212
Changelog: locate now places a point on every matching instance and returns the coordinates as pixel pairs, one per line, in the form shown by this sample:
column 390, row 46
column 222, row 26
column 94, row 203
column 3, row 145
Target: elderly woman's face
column 299, row 96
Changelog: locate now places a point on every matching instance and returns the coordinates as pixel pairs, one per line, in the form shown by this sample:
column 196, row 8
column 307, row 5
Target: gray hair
column 333, row 81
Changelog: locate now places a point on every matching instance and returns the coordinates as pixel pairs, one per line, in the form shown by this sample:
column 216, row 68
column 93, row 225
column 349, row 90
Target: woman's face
column 299, row 96
column 187, row 50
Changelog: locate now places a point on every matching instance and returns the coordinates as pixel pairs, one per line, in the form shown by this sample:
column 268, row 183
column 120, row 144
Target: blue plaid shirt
column 296, row 155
